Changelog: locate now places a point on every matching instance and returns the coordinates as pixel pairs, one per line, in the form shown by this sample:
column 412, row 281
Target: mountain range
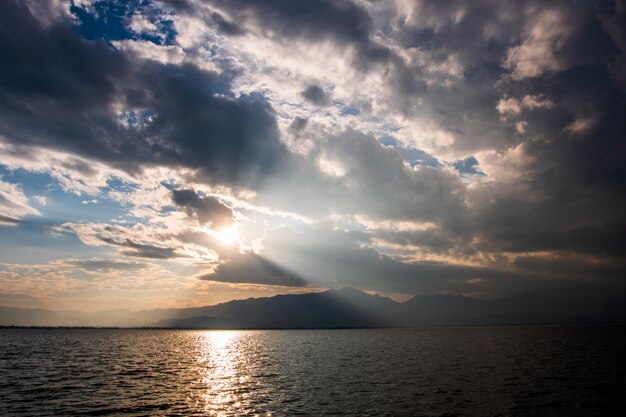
column 344, row 308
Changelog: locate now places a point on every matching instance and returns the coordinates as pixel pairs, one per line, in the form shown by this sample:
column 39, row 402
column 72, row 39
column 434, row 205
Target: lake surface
column 475, row 371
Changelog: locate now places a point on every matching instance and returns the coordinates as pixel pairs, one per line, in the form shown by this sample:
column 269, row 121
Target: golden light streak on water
column 225, row 371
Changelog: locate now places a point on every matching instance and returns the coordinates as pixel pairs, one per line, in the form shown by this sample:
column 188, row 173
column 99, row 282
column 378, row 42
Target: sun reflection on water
column 225, row 373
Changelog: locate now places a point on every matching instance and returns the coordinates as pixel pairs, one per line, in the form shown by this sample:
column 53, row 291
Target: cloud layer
column 403, row 147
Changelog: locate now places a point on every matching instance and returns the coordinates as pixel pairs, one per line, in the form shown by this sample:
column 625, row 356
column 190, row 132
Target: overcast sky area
column 181, row 153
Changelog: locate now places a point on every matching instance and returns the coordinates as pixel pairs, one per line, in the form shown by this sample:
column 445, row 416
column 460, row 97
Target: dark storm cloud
column 487, row 41
column 316, row 95
column 476, row 43
column 614, row 22
column 51, row 63
column 342, row 20
column 570, row 194
column 207, row 209
column 348, row 24
column 59, row 90
column 251, row 268
column 453, row 27
column 141, row 250
column 9, row 220
column 573, row 265
column 337, row 258
column 226, row 27
column 559, row 203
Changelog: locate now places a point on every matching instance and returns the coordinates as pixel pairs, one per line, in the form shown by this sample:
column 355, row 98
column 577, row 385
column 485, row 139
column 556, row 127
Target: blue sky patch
column 110, row 20
column 467, row 165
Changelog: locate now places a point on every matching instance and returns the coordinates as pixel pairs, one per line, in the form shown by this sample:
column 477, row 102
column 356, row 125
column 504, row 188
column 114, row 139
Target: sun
column 227, row 236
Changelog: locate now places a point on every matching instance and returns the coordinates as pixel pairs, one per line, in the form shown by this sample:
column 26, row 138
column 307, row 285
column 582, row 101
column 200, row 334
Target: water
column 475, row 371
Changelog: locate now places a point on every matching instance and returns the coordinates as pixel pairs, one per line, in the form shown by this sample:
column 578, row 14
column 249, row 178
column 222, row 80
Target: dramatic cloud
column 207, row 209
column 254, row 269
column 404, row 147
column 124, row 111
column 13, row 204
column 315, row 95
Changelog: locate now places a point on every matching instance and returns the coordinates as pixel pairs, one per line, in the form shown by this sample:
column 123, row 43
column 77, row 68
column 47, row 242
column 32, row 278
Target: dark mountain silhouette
column 345, row 308
column 202, row 322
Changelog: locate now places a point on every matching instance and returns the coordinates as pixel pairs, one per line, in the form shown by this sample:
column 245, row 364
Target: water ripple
column 482, row 371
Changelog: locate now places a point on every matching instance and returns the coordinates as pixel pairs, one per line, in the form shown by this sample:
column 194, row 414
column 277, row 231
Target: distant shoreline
column 561, row 323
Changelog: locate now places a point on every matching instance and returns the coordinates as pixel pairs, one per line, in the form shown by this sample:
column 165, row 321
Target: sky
column 173, row 153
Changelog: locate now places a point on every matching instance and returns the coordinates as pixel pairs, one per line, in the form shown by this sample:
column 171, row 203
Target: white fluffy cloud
column 14, row 204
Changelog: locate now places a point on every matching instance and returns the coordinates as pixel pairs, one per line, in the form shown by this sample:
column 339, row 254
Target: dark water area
column 473, row 371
